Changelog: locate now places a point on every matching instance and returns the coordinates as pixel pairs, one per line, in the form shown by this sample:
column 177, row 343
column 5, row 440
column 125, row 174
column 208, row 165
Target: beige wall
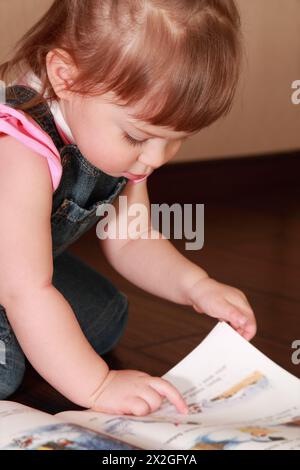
column 263, row 118
column 16, row 16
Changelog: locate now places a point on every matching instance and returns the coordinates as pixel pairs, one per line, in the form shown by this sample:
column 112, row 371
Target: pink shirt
column 25, row 129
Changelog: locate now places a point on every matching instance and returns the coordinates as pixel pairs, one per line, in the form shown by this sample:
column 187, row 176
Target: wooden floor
column 252, row 237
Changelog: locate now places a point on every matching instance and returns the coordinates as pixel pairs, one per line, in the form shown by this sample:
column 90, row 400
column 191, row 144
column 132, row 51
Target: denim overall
column 100, row 308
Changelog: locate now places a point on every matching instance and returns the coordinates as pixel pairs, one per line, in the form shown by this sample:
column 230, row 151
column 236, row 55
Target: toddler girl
column 106, row 92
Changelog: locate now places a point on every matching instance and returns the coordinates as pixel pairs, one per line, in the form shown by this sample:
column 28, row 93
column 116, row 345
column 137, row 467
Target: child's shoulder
column 19, row 163
column 25, row 183
column 20, row 126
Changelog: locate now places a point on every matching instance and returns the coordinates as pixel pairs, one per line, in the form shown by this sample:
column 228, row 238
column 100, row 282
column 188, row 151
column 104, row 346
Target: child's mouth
column 134, row 178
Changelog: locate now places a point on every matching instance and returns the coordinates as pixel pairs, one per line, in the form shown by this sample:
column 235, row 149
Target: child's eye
column 133, row 141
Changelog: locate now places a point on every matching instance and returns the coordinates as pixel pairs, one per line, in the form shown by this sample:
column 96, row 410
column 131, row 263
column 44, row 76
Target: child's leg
column 101, row 309
column 12, row 359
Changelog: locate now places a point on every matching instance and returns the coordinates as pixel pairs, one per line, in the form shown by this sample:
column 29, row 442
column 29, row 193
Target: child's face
column 98, row 126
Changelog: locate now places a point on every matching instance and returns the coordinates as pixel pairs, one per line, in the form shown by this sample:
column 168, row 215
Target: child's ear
column 61, row 71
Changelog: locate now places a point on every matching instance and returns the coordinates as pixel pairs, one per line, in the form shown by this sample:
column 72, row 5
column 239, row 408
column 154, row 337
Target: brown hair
column 177, row 59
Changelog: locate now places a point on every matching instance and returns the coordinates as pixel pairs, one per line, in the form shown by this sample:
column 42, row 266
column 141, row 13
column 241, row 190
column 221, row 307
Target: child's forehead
column 127, row 115
column 156, row 131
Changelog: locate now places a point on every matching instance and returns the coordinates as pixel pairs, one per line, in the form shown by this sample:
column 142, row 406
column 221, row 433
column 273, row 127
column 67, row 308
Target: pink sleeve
column 21, row 126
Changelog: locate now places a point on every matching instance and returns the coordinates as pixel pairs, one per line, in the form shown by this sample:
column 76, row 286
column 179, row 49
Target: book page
column 237, row 397
column 24, row 428
column 167, row 433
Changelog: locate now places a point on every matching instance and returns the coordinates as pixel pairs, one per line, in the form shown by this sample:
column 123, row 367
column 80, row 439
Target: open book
column 238, row 399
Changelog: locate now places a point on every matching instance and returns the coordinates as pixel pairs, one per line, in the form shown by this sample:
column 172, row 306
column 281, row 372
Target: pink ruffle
column 21, row 126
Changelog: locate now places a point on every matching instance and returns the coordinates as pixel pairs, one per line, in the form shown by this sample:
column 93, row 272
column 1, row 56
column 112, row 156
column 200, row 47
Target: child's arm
column 157, row 267
column 42, row 319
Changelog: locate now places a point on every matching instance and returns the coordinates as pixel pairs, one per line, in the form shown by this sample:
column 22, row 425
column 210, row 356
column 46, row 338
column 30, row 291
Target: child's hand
column 136, row 393
column 225, row 303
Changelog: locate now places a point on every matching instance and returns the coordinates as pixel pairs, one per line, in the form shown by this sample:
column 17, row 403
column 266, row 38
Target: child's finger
column 137, row 406
column 249, row 330
column 240, row 331
column 153, row 398
column 250, row 326
column 242, row 303
column 166, row 389
column 232, row 314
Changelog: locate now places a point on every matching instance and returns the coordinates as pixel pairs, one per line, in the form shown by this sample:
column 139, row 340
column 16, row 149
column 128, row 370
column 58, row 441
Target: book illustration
column 230, row 439
column 251, row 385
column 294, row 422
column 220, row 392
column 63, row 436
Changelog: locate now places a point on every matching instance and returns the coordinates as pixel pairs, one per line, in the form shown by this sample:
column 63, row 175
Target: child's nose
column 153, row 158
